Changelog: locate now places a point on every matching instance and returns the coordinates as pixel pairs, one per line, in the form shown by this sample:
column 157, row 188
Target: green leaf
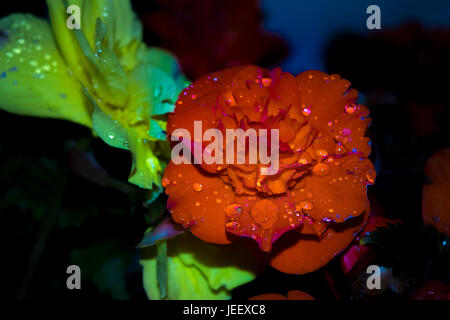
column 161, row 267
column 34, row 78
column 199, row 270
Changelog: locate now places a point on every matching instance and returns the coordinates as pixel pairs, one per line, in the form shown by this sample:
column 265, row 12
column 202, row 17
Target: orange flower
column 436, row 194
column 319, row 191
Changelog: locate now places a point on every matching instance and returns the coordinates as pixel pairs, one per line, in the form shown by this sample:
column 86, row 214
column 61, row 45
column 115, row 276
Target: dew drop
column 346, row 132
column 197, row 186
column 321, row 153
column 233, row 210
column 165, row 182
column 350, row 108
column 158, row 92
column 340, row 150
column 306, row 205
column 306, row 111
column 266, row 82
column 321, row 169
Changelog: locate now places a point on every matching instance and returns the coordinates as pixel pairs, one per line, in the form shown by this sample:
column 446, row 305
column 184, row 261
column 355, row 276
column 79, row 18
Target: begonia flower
column 314, row 204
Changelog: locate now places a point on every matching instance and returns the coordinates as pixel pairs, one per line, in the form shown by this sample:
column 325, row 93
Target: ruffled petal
column 298, row 253
column 264, row 220
column 319, row 187
column 336, row 190
column 324, row 95
column 198, row 200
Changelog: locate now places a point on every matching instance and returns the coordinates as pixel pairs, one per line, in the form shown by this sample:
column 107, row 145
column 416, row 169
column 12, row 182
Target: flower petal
column 326, row 95
column 299, row 295
column 298, row 254
column 198, row 200
column 337, row 189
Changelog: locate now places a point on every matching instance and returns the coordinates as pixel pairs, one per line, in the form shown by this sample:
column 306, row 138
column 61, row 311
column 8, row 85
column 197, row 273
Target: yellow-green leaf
column 198, row 270
column 34, row 79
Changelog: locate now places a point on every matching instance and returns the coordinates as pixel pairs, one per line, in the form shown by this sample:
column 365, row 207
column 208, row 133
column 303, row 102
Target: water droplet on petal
column 346, row 131
column 233, row 210
column 306, row 205
column 265, row 213
column 350, row 108
column 165, row 182
column 321, row 169
column 321, row 153
column 266, row 82
column 158, row 92
column 306, row 111
column 197, row 186
column 340, row 150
